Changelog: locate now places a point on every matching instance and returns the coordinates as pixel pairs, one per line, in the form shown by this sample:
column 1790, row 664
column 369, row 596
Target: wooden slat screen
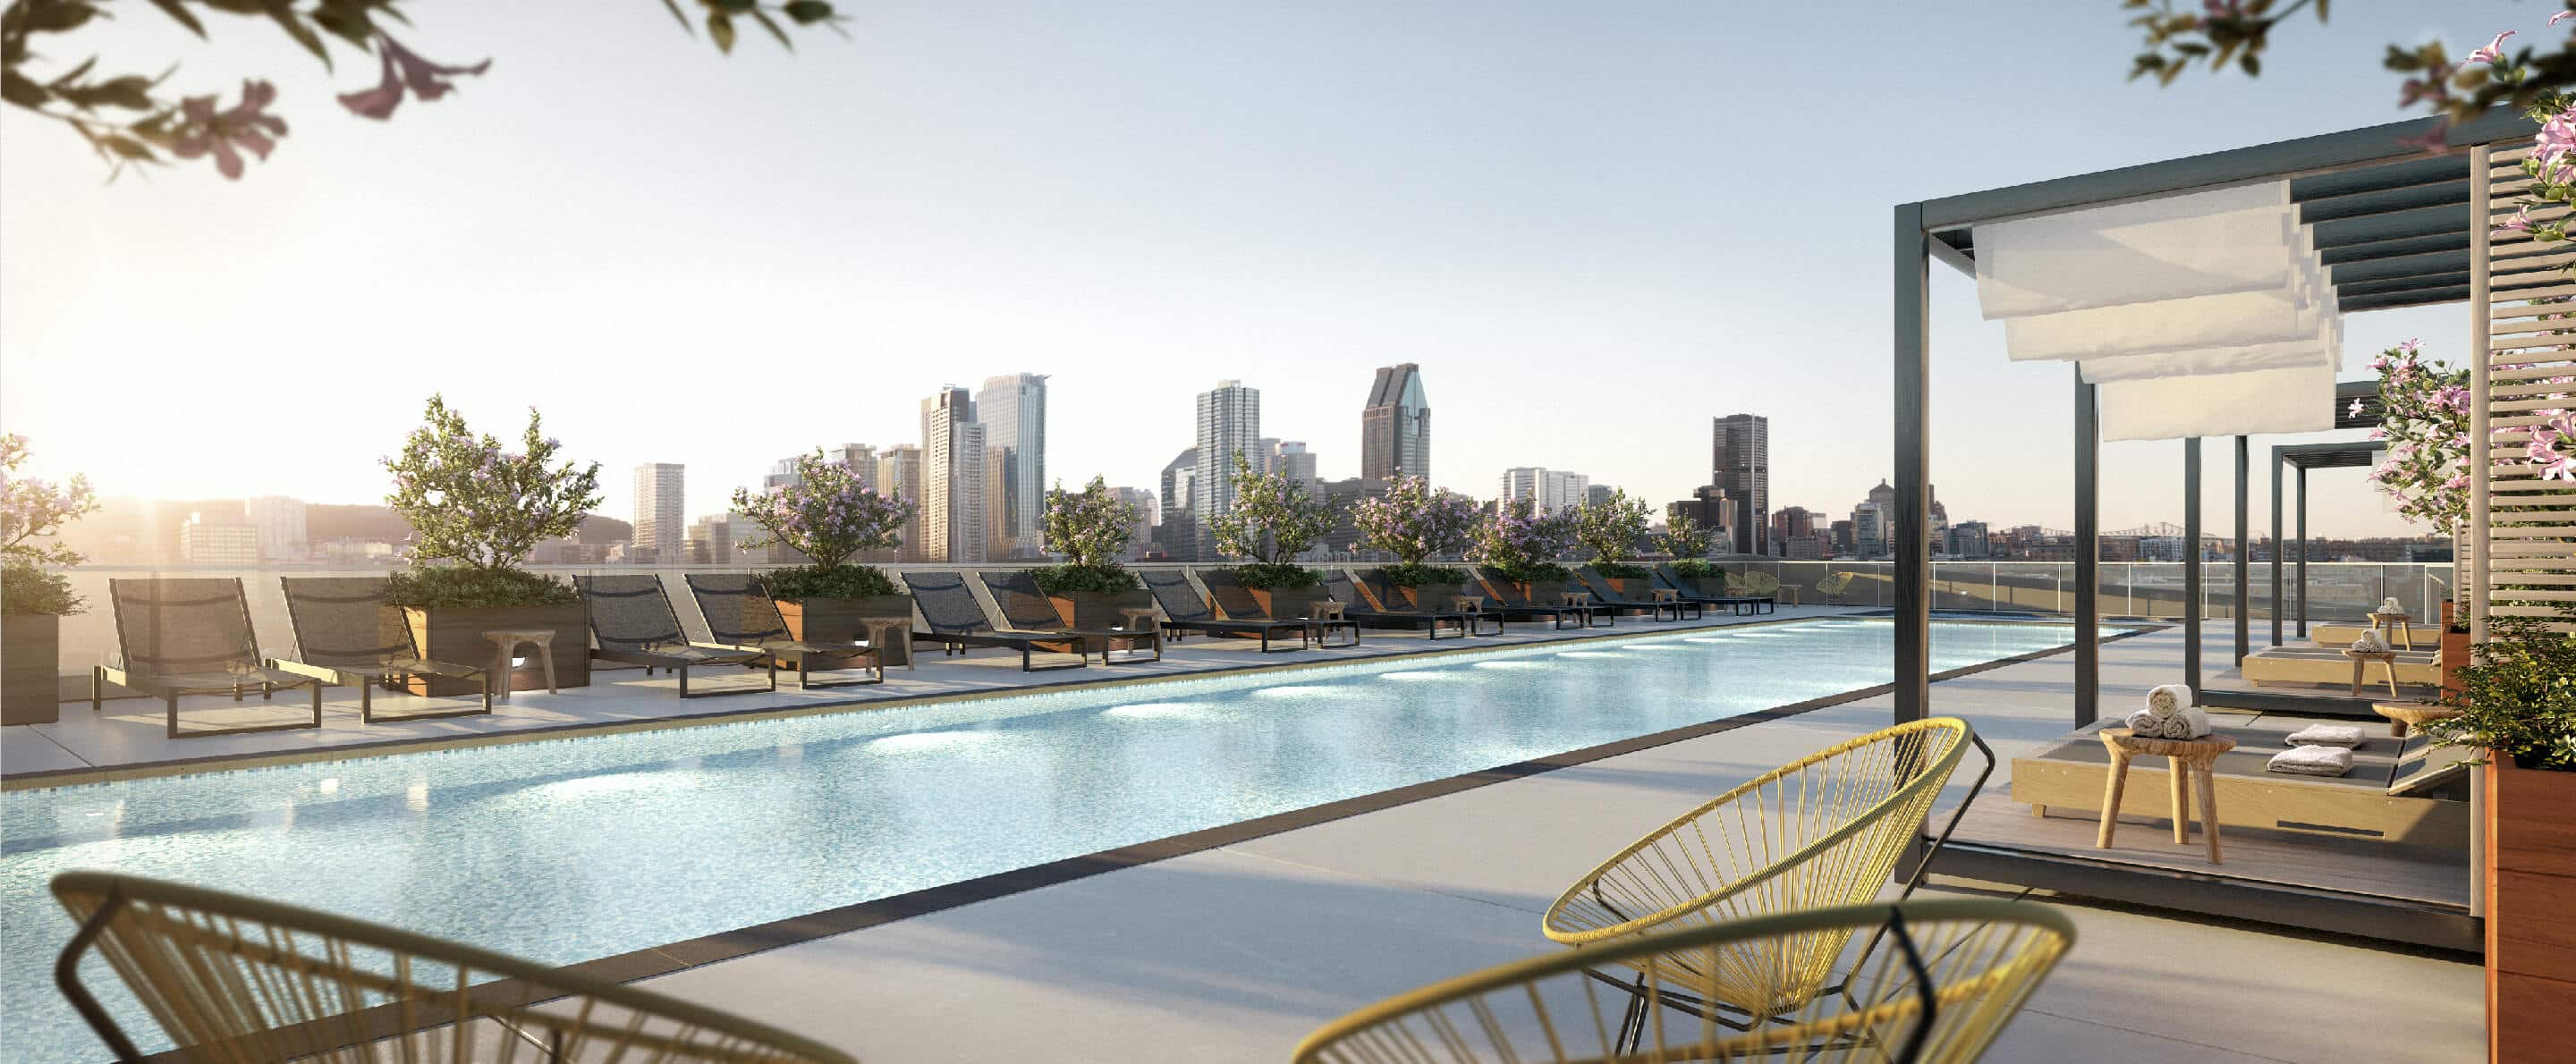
column 2530, row 568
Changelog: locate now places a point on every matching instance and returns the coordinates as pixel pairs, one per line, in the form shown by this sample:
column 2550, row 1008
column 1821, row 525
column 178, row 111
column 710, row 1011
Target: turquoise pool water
column 571, row 849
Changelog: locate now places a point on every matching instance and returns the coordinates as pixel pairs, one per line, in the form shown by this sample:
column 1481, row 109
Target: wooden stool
column 1666, row 594
column 2399, row 628
column 2406, row 716
column 1324, row 611
column 884, row 632
column 2188, row 765
column 505, row 645
column 2361, row 659
column 1137, row 617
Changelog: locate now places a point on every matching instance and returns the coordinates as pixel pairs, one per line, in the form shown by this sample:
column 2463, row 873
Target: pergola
column 2394, row 226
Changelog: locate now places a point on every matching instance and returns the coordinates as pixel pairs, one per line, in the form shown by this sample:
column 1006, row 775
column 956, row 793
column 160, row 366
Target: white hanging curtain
column 2207, row 314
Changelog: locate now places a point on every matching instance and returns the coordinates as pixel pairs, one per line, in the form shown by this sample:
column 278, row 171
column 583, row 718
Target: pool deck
column 129, row 738
column 1236, row 951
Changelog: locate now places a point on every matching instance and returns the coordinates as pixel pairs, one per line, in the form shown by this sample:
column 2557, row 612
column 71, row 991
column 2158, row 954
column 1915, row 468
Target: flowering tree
column 32, row 511
column 129, row 121
column 471, row 502
column 1414, row 521
column 826, row 514
column 1092, row 529
column 1274, row 519
column 1611, row 528
column 1521, row 543
column 1683, row 538
column 2425, row 419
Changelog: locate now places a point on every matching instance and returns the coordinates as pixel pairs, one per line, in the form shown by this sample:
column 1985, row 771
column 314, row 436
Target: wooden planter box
column 1288, row 603
column 2455, row 653
column 1544, row 592
column 1100, row 609
column 1430, row 598
column 2531, row 913
column 454, row 634
column 30, row 658
column 1640, row 589
column 842, row 620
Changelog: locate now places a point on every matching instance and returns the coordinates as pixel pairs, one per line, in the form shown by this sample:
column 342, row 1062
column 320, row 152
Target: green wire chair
column 236, row 979
column 1958, row 972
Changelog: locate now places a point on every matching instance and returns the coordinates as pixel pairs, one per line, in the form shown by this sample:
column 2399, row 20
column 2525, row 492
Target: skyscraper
column 1741, row 464
column 1552, row 489
column 280, row 521
column 899, row 476
column 1178, row 532
column 1143, row 503
column 953, row 479
column 1395, row 426
column 1012, row 409
column 660, row 522
column 1229, row 422
column 1296, row 463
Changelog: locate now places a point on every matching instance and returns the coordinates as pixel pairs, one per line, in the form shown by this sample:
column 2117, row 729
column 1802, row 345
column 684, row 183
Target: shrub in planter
column 1414, row 521
column 1092, row 529
column 1521, row 545
column 1611, row 529
column 479, row 510
column 828, row 515
column 34, row 599
column 1274, row 519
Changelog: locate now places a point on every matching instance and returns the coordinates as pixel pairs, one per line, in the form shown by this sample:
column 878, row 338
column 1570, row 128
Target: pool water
column 571, row 849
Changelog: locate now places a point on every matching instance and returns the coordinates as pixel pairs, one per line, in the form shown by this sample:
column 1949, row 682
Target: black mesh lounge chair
column 191, row 636
column 1185, row 611
column 740, row 613
column 345, row 634
column 1659, row 609
column 1029, row 609
column 1359, row 608
column 1239, row 605
column 957, row 622
column 1509, row 602
column 631, row 618
column 1738, row 604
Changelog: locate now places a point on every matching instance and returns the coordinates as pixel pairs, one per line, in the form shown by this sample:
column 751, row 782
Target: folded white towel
column 2191, row 723
column 2369, row 642
column 2391, row 606
column 2312, row 761
column 2145, row 724
column 2326, row 735
column 2168, row 699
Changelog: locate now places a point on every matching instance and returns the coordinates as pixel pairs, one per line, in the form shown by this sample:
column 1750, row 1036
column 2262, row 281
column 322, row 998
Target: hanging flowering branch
column 2425, row 419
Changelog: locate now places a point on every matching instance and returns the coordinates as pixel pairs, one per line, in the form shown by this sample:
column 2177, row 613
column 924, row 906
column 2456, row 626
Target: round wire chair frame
column 1848, row 1033
column 117, row 913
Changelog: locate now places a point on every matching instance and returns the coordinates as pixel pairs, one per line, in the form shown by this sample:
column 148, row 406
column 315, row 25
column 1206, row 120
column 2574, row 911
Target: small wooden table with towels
column 2190, row 761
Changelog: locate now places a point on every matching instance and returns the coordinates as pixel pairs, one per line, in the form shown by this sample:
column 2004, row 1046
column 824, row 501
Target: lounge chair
column 1510, row 603
column 740, row 613
column 957, row 622
column 1185, row 611
column 1602, row 592
column 191, row 636
column 1028, row 608
column 631, row 618
column 2404, row 791
column 1740, row 605
column 1367, row 609
column 1239, row 604
column 230, row 978
column 345, row 634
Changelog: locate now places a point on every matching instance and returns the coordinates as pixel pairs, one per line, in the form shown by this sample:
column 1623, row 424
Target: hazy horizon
column 1595, row 229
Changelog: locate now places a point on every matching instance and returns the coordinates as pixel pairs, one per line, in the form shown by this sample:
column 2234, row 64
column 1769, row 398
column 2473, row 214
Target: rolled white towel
column 2338, row 735
column 2312, row 761
column 2390, row 606
column 2369, row 642
column 2168, row 699
column 2191, row 723
column 2145, row 724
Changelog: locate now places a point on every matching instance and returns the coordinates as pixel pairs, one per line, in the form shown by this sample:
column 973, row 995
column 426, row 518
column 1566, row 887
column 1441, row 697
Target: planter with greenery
column 1414, row 521
column 1521, row 546
column 1092, row 529
column 1274, row 519
column 475, row 512
column 1610, row 530
column 1688, row 543
column 828, row 516
column 34, row 599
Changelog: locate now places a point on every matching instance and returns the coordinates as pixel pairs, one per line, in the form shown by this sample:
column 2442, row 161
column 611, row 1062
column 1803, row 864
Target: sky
column 1594, row 226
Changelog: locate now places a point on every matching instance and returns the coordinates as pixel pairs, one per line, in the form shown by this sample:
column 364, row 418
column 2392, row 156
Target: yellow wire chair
column 1833, row 586
column 237, row 979
column 1825, row 830
column 1959, row 970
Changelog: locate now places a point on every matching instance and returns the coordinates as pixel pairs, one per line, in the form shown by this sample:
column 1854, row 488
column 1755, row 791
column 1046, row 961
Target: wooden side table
column 2406, row 716
column 1138, row 617
column 2361, row 659
column 888, row 632
column 505, row 645
column 2399, row 628
column 2188, row 766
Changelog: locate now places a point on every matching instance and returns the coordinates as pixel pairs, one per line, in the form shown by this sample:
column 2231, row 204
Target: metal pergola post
column 2278, row 545
column 2191, row 565
column 2243, row 609
column 2303, row 552
column 2088, row 554
column 1913, row 470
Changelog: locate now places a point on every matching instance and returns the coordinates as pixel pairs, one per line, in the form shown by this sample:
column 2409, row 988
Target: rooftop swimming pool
column 570, row 849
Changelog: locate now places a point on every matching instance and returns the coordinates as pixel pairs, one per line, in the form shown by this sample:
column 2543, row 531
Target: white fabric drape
column 2297, row 399
column 2178, row 247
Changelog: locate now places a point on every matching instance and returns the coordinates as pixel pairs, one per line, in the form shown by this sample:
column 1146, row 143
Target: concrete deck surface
column 1238, row 952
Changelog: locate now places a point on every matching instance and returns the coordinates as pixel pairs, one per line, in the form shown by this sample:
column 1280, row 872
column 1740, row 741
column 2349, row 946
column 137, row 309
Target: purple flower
column 404, row 69
column 2561, row 17
column 245, row 125
column 2352, row 411
column 2492, row 53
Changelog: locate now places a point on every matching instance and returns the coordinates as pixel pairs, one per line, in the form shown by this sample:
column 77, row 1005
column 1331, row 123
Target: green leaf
column 17, row 89
column 129, row 147
column 734, row 7
column 283, row 13
column 55, row 17
column 673, row 6
column 772, row 27
column 720, row 27
column 72, row 75
column 2253, row 67
column 173, row 9
column 808, row 12
column 347, row 23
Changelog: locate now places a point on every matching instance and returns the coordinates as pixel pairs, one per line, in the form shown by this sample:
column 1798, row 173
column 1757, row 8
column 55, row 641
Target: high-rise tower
column 953, row 479
column 1012, row 409
column 1740, row 462
column 1229, row 421
column 660, row 524
column 1395, row 426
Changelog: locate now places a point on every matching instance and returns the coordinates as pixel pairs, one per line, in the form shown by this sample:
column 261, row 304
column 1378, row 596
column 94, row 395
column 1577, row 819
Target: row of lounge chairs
column 193, row 636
